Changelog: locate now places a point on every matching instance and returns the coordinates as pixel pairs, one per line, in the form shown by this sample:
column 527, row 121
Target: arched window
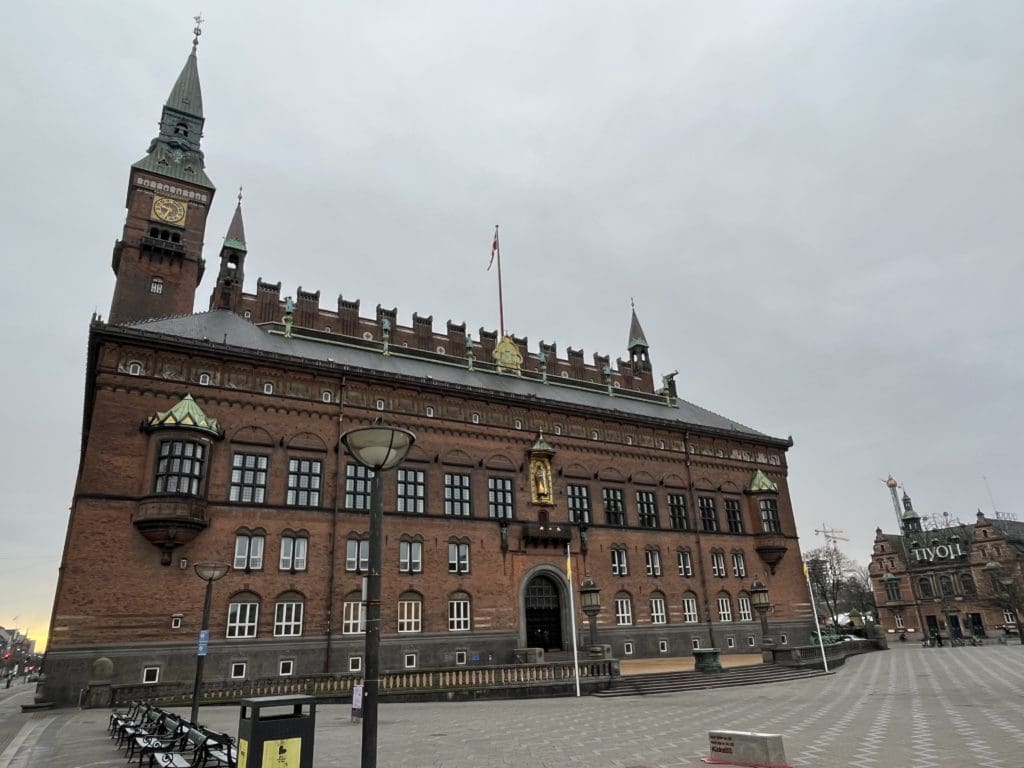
column 243, row 615
column 623, row 609
column 459, row 615
column 724, row 607
column 353, row 619
column 946, row 586
column 134, row 369
column 288, row 615
column 743, row 602
column 410, row 612
column 690, row 615
column 924, row 584
column 658, row 613
column 249, row 550
column 294, row 548
column 967, row 585
column 181, row 129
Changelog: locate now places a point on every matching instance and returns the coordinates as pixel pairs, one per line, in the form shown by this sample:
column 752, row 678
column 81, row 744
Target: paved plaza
column 910, row 706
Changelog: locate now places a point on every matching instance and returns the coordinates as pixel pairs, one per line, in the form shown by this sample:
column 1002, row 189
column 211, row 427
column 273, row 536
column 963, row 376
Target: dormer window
column 135, row 369
column 204, row 379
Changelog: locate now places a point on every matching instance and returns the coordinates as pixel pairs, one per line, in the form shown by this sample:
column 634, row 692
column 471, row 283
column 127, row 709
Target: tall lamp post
column 761, row 602
column 208, row 572
column 378, row 448
column 590, row 602
column 1003, row 585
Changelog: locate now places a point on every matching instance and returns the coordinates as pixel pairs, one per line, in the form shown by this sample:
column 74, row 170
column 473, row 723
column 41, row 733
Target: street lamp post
column 590, row 602
column 208, row 572
column 761, row 602
column 378, row 448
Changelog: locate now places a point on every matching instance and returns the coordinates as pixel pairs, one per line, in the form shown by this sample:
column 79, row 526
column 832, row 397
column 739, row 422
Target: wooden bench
column 190, row 753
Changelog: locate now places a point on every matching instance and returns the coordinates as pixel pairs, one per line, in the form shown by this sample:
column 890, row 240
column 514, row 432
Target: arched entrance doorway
column 543, row 614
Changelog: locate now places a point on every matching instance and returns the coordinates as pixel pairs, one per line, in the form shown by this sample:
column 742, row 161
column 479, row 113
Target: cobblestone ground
column 910, row 706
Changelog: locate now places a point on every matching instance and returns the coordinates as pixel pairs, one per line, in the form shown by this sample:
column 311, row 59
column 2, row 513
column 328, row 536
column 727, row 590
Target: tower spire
column 638, row 347
column 227, row 293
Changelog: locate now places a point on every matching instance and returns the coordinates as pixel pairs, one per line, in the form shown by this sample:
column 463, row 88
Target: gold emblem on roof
column 507, row 356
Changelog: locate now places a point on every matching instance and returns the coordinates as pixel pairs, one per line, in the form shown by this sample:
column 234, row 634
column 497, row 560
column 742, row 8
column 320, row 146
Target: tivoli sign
column 939, row 552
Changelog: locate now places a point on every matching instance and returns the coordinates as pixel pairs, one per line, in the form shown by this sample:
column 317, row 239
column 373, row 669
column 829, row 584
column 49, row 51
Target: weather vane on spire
column 239, row 194
column 197, row 30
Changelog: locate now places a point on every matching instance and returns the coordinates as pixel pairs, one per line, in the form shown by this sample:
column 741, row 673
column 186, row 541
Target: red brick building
column 214, row 436
column 941, row 577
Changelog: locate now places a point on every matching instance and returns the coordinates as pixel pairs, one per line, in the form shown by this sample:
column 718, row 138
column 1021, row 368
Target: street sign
column 204, row 640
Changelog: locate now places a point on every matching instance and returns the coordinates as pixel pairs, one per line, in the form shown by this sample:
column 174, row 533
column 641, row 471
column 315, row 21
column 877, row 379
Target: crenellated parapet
column 268, row 306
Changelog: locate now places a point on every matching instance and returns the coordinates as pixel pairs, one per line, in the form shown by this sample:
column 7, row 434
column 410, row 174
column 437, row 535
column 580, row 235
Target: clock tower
column 158, row 262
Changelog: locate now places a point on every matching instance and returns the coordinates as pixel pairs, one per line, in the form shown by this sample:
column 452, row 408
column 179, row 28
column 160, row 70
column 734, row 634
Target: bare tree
column 856, row 593
column 829, row 569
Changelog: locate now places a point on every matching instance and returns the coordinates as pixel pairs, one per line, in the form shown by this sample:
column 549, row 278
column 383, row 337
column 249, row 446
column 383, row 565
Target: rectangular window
column 179, row 467
column 614, row 506
column 410, row 556
column 461, row 658
column 150, row 675
column 770, row 516
column 248, row 552
column 718, row 564
column 646, row 509
column 293, row 553
column 458, row 558
column 286, row 667
column 412, row 491
column 623, row 611
column 708, row 515
column 353, row 619
column 652, row 559
column 242, row 618
column 499, row 497
column 685, row 563
column 358, row 482
column 899, row 621
column 578, row 502
column 619, row 566
column 657, row 610
column 892, row 591
column 248, row 478
column 303, row 482
column 739, row 566
column 457, row 495
column 724, row 609
column 677, row 516
column 288, row 620
column 458, row 616
column 690, row 610
column 745, row 614
column 730, row 642
column 1009, row 617
column 355, row 663
column 357, row 555
column 410, row 661
column 409, row 615
column 784, row 639
column 733, row 516
column 238, row 670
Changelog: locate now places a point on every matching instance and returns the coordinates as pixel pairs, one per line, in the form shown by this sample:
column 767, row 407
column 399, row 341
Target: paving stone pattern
column 908, row 707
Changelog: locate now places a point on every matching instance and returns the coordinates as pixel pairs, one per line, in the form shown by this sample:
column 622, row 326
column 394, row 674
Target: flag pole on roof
column 496, row 253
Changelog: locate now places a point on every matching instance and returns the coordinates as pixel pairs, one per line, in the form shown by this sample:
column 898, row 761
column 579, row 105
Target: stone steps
column 672, row 682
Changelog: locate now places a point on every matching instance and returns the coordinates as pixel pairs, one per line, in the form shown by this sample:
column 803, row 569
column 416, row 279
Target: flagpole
column 572, row 614
column 814, row 610
column 501, row 299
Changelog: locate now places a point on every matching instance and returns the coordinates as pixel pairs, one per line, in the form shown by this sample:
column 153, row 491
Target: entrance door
column 954, row 626
column 543, row 614
column 933, row 625
column 977, row 627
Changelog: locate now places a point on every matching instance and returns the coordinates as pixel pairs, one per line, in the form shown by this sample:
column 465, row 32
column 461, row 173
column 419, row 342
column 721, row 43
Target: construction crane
column 831, row 535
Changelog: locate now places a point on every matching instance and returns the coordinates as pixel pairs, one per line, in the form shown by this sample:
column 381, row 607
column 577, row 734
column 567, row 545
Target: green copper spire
column 759, row 483
column 175, row 152
column 186, row 414
column 236, row 232
column 636, row 333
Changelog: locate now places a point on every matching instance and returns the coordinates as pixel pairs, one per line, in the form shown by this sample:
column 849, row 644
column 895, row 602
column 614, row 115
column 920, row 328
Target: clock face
column 169, row 210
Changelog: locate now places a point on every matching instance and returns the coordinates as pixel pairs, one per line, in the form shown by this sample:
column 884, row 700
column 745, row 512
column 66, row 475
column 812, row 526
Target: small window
column 268, row 388
column 730, row 642
column 380, row 405
column 629, row 439
column 247, row 314
column 695, row 643
column 157, row 286
column 558, row 429
column 475, row 418
column 327, row 329
column 355, row 663
column 750, row 641
column 150, row 675
column 285, row 667
column 518, row 423
column 238, row 670
column 176, row 621
column 430, row 411
column 410, row 661
column 593, row 435
column 663, row 646
column 783, row 639
column 627, row 649
column 661, row 444
column 460, row 658
column 204, row 379
column 367, row 335
column 326, row 396
column 135, row 369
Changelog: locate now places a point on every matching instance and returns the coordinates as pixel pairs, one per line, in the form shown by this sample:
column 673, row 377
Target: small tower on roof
column 638, row 346
column 227, row 293
column 911, row 520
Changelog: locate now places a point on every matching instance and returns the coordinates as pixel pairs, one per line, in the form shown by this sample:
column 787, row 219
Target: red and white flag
column 494, row 248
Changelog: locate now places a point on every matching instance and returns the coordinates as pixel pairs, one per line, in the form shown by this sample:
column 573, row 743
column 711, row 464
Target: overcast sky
column 817, row 207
